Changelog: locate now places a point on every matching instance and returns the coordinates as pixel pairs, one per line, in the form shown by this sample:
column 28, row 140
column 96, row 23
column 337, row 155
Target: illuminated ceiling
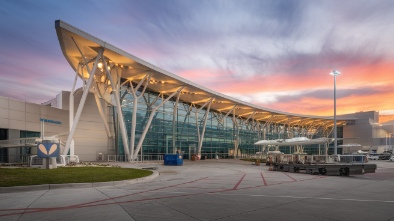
column 135, row 69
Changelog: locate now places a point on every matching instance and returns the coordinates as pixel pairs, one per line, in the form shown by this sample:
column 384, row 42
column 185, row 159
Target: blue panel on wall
column 46, row 150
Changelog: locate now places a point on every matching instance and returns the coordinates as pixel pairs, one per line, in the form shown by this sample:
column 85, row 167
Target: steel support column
column 174, row 115
column 201, row 139
column 83, row 99
column 133, row 91
column 71, row 109
column 101, row 112
column 115, row 92
column 139, row 145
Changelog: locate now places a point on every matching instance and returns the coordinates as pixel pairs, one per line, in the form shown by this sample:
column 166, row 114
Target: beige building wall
column 90, row 136
column 363, row 133
column 21, row 115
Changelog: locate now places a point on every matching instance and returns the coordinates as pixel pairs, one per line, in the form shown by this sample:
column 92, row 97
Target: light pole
column 335, row 74
column 386, row 143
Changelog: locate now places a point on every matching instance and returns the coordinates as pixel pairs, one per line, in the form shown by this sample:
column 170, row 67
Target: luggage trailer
column 333, row 165
column 329, row 169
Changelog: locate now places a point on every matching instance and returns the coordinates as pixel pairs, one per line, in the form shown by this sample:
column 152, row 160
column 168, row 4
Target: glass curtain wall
column 27, row 134
column 3, row 151
column 219, row 132
column 220, row 137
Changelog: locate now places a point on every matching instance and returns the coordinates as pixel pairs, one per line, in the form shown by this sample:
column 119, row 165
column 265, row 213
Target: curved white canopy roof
column 294, row 141
column 135, row 69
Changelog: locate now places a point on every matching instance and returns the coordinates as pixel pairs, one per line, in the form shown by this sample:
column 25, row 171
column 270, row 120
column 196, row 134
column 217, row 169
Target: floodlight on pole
column 335, row 74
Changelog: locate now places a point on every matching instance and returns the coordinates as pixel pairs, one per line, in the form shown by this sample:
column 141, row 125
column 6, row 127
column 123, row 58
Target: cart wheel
column 323, row 171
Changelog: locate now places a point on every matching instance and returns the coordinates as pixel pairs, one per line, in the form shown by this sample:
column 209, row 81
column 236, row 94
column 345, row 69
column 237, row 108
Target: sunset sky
column 276, row 54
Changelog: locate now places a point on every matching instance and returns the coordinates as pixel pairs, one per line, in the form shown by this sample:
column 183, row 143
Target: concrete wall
column 20, row 115
column 90, row 136
column 361, row 132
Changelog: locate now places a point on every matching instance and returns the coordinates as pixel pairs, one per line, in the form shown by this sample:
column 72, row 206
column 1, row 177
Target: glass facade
column 18, row 151
column 3, row 151
column 27, row 134
column 221, row 133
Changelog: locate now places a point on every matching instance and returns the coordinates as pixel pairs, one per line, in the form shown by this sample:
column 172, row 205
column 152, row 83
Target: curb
column 77, row 185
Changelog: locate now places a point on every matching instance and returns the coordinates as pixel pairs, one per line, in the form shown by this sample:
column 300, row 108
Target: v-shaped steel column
column 135, row 105
column 83, row 99
column 201, row 138
column 71, row 109
column 174, row 115
column 101, row 112
column 115, row 92
column 139, row 145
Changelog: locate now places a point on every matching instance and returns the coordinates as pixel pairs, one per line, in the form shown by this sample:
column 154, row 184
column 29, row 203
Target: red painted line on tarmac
column 320, row 177
column 281, row 183
column 195, row 187
column 265, row 182
column 142, row 192
column 239, row 182
column 249, row 187
column 94, row 205
column 290, row 177
column 87, row 205
column 37, row 210
column 112, row 198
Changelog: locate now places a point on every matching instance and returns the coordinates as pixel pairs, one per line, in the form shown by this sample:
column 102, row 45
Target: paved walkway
column 215, row 190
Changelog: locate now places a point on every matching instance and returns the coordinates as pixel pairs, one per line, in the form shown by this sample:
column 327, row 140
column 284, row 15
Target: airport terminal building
column 129, row 109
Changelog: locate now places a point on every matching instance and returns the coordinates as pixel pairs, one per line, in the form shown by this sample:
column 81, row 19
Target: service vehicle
column 373, row 157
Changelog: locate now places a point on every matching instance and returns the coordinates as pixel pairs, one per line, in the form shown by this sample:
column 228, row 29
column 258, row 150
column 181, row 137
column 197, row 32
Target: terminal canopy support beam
column 139, row 145
column 247, row 121
column 174, row 116
column 201, row 137
column 83, row 99
column 133, row 91
column 71, row 108
column 230, row 111
column 236, row 133
column 101, row 112
column 116, row 93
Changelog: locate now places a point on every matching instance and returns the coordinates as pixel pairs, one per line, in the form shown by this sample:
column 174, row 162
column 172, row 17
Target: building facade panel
column 17, row 105
column 17, row 115
column 17, row 124
column 4, row 113
column 4, row 102
column 4, row 122
column 33, row 118
column 33, row 109
column 32, row 126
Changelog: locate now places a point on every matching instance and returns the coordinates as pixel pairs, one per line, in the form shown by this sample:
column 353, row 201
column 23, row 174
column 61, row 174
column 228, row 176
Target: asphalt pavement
column 224, row 189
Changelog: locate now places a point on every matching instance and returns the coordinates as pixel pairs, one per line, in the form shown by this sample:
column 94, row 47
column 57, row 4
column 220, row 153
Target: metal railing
column 122, row 158
column 150, row 157
column 111, row 158
column 21, row 142
column 251, row 156
column 25, row 159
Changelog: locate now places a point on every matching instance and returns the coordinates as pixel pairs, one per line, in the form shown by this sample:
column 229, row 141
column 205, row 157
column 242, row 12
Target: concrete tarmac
column 223, row 189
